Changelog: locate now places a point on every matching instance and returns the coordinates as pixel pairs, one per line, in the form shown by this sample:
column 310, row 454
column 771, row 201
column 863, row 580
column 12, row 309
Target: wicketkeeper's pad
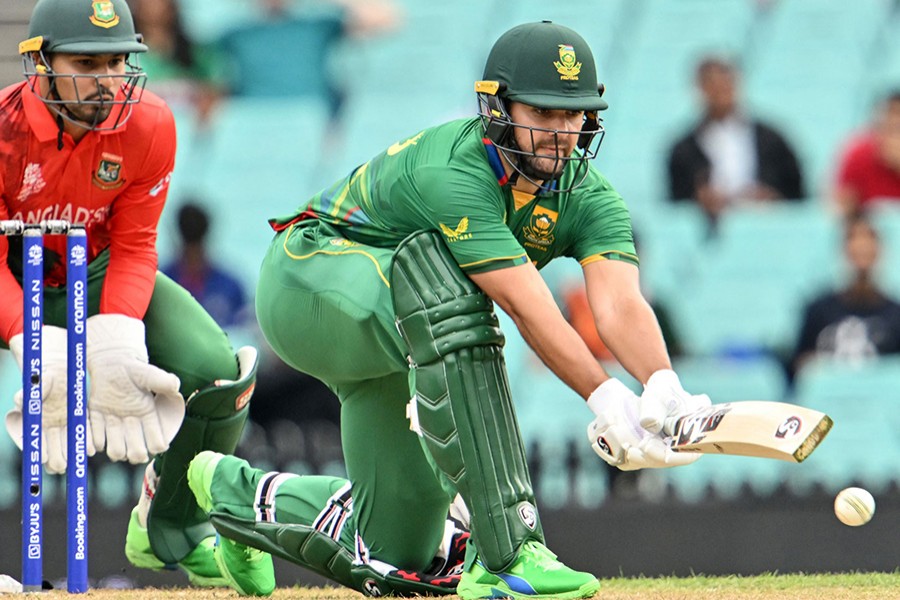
column 214, row 420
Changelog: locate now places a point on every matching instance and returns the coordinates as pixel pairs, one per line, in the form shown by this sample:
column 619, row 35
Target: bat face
column 753, row 428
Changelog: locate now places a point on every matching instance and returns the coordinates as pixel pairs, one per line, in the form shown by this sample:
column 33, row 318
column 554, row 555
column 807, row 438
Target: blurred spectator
column 220, row 293
column 303, row 36
column 869, row 168
column 858, row 321
column 729, row 157
column 189, row 76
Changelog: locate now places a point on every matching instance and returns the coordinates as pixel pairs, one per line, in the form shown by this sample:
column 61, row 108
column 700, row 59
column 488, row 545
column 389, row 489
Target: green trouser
column 182, row 339
column 324, row 304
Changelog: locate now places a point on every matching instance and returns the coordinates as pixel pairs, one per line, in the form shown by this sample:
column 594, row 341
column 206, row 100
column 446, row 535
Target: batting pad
column 463, row 403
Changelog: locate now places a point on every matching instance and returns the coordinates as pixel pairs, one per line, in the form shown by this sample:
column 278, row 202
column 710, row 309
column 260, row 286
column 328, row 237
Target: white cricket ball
column 854, row 506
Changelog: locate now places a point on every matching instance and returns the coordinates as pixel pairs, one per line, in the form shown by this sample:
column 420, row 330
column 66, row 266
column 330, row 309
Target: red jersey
column 862, row 171
column 115, row 182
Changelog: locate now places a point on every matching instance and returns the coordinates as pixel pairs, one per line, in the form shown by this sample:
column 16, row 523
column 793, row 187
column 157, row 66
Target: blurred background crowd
column 756, row 143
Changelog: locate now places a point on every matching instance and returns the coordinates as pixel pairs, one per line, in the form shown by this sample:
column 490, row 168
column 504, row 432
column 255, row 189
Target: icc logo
column 79, row 255
column 34, row 255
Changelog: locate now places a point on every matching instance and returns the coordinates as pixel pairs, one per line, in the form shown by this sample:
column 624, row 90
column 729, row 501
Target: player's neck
column 75, row 131
column 525, row 186
column 520, row 183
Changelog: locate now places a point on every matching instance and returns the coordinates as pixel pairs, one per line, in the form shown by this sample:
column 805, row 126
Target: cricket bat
column 752, row 428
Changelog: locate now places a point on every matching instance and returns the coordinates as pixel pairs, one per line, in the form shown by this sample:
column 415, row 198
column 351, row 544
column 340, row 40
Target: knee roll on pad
column 214, row 420
column 463, row 404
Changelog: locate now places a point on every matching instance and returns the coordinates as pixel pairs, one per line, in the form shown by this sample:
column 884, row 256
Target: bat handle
column 670, row 426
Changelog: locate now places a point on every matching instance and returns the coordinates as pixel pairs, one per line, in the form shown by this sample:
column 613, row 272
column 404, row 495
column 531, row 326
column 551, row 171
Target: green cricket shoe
column 200, row 565
column 248, row 570
column 535, row 574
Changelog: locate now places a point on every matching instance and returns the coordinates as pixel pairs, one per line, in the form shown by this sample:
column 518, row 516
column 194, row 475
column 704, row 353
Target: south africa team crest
column 568, row 66
column 539, row 231
column 104, row 14
column 109, row 172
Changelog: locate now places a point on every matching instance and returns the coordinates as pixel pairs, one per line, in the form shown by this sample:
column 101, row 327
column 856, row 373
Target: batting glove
column 54, row 399
column 136, row 408
column 616, row 434
column 664, row 400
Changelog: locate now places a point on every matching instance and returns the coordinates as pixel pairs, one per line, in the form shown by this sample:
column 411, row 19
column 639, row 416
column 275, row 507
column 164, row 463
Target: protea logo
column 104, row 14
column 568, row 66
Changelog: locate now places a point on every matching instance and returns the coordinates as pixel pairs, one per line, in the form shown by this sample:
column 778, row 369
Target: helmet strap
column 60, row 127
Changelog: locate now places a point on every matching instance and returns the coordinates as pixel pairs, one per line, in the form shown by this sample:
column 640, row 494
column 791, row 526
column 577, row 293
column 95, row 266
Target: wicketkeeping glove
column 136, row 408
column 55, row 401
column 616, row 434
column 664, row 400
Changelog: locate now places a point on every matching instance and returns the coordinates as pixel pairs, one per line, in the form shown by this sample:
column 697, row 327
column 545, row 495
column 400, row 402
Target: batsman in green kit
column 383, row 287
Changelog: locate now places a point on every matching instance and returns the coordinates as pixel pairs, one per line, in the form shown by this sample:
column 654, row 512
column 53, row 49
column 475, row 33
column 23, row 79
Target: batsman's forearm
column 522, row 294
column 634, row 337
column 562, row 350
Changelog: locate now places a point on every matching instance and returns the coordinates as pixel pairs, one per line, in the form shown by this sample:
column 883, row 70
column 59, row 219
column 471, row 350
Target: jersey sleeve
column 470, row 213
column 11, row 308
column 133, row 224
column 603, row 227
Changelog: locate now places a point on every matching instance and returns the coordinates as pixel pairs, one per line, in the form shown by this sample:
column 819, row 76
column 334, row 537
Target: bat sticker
column 789, row 428
column 693, row 428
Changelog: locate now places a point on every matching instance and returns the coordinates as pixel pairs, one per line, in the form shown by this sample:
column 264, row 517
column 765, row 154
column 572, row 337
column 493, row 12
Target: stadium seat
column 298, row 48
column 672, row 241
column 724, row 477
column 885, row 217
column 243, row 189
column 207, row 20
column 733, row 379
column 736, row 316
column 864, row 401
column 803, row 49
column 752, row 279
column 883, row 75
column 792, row 244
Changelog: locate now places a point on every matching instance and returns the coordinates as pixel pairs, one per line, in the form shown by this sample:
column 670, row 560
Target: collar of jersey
column 42, row 121
column 493, row 156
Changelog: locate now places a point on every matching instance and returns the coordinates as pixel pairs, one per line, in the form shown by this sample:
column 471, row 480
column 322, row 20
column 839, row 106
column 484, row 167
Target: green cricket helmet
column 548, row 66
column 84, row 27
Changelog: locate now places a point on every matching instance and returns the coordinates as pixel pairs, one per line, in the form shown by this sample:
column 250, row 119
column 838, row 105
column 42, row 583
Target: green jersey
column 450, row 179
